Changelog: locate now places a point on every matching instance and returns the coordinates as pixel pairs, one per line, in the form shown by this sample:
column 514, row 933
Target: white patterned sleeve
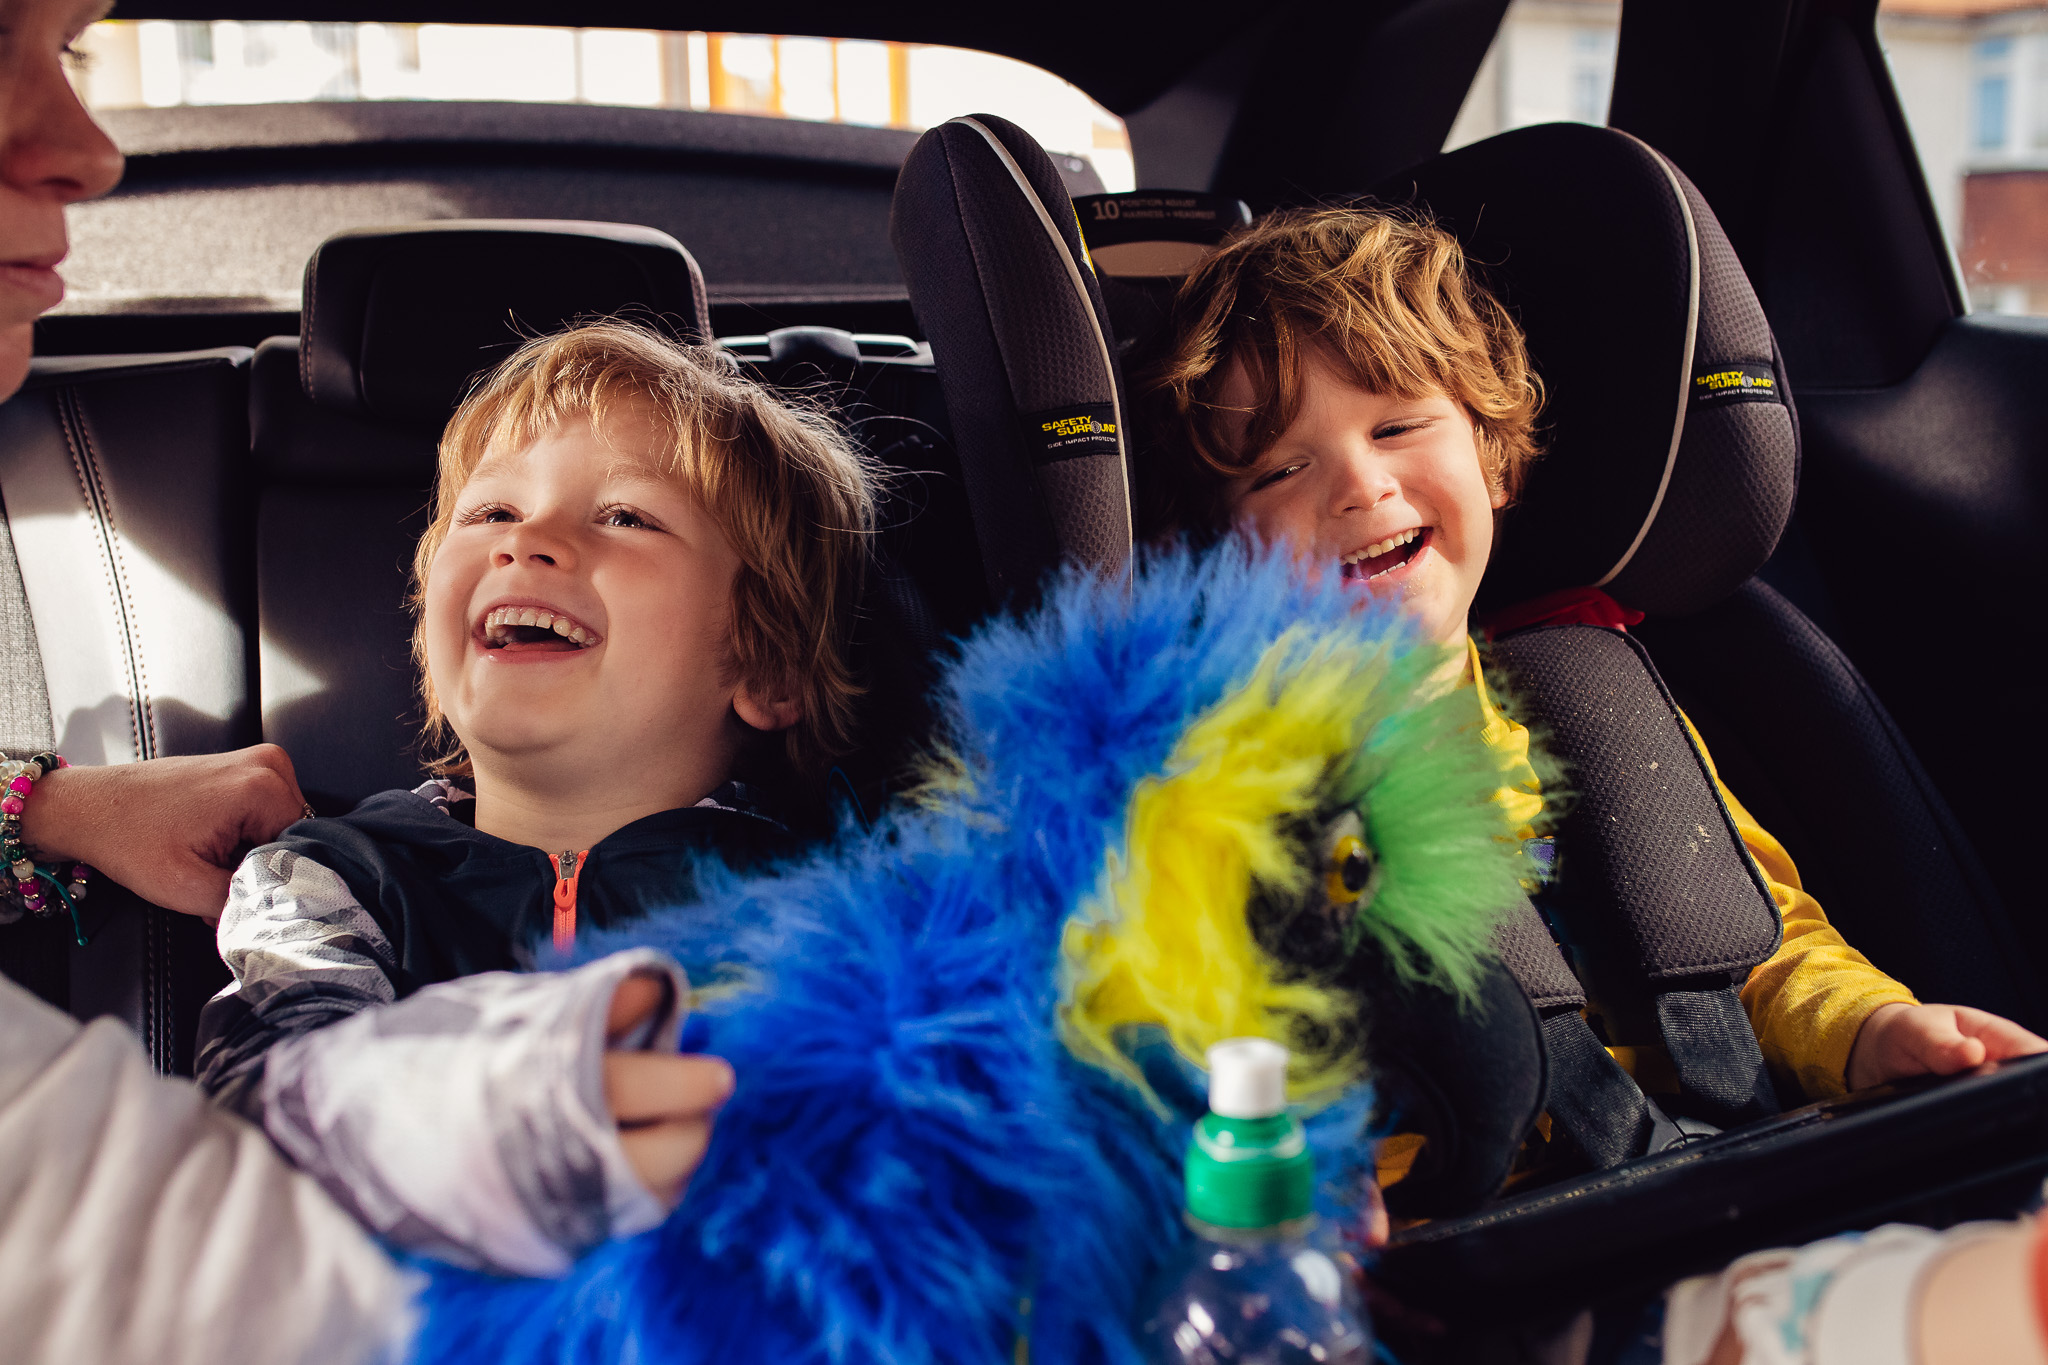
column 304, row 954
column 467, row 1120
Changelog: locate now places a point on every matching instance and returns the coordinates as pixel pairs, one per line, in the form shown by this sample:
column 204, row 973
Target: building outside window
column 1993, row 94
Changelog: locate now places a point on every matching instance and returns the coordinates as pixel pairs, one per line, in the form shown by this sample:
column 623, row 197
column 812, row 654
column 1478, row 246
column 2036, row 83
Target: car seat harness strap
column 1658, row 908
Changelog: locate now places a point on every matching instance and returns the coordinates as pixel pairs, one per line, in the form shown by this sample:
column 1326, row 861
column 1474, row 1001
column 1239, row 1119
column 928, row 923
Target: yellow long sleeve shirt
column 1807, row 1001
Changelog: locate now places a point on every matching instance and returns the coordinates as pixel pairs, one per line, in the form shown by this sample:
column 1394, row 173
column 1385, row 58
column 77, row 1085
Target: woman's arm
column 145, row 1227
column 171, row 829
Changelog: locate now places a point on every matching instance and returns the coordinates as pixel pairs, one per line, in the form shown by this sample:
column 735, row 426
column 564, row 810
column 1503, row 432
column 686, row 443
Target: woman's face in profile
column 51, row 154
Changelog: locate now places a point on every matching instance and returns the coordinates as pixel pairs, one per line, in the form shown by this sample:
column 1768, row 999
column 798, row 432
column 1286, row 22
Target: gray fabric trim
column 25, row 700
column 1692, row 329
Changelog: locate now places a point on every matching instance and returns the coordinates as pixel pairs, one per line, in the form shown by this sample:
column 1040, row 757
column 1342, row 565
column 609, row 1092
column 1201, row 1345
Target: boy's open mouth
column 1384, row 556
column 534, row 630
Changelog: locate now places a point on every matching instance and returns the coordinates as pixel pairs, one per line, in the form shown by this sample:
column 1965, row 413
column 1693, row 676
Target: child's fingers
column 652, row 1088
column 637, row 997
column 2001, row 1037
column 1929, row 1036
column 664, row 1155
column 1374, row 1226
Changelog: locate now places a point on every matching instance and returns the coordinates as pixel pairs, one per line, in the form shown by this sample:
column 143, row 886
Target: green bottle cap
column 1249, row 1165
column 1250, row 1173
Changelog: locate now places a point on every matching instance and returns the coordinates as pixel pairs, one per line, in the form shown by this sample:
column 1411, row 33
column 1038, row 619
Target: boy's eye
column 490, row 512
column 624, row 516
column 1273, row 476
column 1393, row 429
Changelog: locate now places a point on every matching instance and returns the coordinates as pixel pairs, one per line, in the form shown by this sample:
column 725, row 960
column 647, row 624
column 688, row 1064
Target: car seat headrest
column 1672, row 449
column 993, row 259
column 1144, row 243
column 397, row 321
column 1155, row 234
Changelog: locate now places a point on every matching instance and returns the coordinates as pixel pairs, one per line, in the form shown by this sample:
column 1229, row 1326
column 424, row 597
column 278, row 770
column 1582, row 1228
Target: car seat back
column 127, row 613
column 1143, row 242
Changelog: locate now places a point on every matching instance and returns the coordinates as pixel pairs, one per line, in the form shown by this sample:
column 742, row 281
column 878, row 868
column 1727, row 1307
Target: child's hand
column 1900, row 1040
column 663, row 1104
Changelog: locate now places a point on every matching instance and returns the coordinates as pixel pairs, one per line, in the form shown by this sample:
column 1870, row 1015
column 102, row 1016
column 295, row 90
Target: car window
column 166, row 63
column 1552, row 61
column 1972, row 79
column 772, row 158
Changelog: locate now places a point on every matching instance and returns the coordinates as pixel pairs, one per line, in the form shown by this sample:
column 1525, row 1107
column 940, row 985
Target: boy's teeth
column 496, row 623
column 1381, row 547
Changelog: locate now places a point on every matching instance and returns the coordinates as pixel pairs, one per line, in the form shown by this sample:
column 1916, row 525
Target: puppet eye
column 1350, row 873
column 1350, row 870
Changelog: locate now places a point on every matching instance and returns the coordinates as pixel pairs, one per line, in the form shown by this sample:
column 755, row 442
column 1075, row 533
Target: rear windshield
column 773, row 159
column 167, row 63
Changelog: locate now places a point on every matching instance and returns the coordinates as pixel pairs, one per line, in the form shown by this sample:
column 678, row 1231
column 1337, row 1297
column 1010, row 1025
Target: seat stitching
column 92, row 487
column 306, row 332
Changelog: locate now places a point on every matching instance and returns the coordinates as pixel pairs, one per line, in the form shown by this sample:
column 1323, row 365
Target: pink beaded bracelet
column 24, row 878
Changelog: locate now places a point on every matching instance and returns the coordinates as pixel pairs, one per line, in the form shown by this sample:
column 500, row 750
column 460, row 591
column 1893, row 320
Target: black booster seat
column 1671, row 471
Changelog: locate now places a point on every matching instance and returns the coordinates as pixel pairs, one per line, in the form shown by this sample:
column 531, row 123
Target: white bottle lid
column 1247, row 1078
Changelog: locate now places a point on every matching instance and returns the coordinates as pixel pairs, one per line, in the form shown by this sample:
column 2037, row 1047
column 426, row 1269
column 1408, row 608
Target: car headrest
column 1156, row 234
column 998, row 275
column 1144, row 243
column 397, row 321
column 1672, row 445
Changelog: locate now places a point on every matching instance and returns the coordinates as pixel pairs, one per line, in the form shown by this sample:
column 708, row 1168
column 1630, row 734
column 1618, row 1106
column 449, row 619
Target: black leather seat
column 128, row 609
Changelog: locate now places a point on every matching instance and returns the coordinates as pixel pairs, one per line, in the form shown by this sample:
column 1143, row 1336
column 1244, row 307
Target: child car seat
column 1670, row 502
column 1671, row 472
column 1684, row 982
column 1673, row 504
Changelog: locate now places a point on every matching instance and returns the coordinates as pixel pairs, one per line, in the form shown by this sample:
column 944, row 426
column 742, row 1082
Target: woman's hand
column 1900, row 1040
column 664, row 1104
column 172, row 829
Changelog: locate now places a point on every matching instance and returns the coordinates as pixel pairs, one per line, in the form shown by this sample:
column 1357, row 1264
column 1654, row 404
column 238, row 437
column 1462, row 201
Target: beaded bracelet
column 24, row 879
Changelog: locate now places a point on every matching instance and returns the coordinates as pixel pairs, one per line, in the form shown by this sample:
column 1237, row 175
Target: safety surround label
column 1071, row 433
column 1747, row 383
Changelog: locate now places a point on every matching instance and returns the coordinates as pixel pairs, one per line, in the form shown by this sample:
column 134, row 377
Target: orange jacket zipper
column 568, row 869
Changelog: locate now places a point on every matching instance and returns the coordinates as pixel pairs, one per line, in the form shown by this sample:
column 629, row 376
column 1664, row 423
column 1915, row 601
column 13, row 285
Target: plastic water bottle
column 1254, row 1287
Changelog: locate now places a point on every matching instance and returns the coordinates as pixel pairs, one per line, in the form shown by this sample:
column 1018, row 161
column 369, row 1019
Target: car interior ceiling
column 1919, row 422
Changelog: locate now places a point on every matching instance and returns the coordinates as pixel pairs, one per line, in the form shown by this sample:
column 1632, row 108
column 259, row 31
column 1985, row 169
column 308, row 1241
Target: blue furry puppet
column 938, row 1143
